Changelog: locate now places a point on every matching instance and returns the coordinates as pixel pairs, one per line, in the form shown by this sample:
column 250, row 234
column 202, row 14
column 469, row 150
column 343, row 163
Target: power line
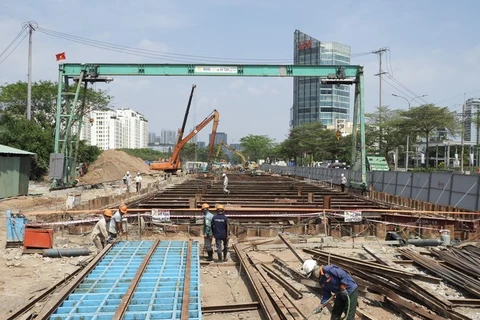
column 8, row 55
column 145, row 52
column 13, row 41
column 404, row 87
column 176, row 57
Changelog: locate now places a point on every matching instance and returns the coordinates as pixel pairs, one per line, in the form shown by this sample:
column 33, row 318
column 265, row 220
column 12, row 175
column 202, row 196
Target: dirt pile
column 112, row 165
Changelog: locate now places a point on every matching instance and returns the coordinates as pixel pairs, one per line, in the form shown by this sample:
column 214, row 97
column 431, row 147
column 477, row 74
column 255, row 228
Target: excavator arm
column 174, row 163
column 229, row 147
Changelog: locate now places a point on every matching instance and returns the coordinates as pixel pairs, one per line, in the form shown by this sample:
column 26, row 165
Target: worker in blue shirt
column 220, row 232
column 334, row 279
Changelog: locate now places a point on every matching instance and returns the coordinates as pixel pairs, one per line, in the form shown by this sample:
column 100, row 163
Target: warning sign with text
column 160, row 215
column 352, row 216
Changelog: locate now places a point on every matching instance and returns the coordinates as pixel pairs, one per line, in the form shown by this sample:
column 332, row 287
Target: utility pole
column 380, row 52
column 29, row 85
column 463, row 134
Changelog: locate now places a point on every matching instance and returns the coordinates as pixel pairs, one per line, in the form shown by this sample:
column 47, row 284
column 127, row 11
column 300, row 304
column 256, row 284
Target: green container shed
column 14, row 171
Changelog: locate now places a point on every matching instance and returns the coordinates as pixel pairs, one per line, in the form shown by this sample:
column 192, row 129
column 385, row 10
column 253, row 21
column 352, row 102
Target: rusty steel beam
column 44, row 294
column 287, row 286
column 122, row 307
column 371, row 266
column 286, row 309
column 238, row 307
column 186, row 283
column 289, row 245
column 267, row 306
column 450, row 275
column 53, row 304
column 400, row 300
column 471, row 303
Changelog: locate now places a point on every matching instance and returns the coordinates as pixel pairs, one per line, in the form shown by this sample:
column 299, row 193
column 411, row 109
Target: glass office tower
column 312, row 100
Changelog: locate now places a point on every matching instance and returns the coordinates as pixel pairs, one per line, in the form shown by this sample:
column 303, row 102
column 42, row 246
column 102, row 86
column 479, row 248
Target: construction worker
column 334, row 279
column 99, row 234
column 343, row 182
column 127, row 180
column 220, row 232
column 138, row 181
column 115, row 228
column 207, row 231
column 225, row 183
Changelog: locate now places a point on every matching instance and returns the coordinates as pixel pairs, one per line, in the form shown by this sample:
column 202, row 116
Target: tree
column 382, row 125
column 13, row 98
column 18, row 132
column 424, row 120
column 38, row 134
column 256, row 147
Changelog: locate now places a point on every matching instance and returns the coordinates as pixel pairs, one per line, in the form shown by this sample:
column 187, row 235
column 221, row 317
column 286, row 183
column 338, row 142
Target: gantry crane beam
column 94, row 72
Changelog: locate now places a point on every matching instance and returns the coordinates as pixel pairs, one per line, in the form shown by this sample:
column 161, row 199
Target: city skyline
column 419, row 49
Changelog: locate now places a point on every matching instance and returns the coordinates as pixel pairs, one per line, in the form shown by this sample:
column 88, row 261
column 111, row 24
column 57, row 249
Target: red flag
column 61, row 56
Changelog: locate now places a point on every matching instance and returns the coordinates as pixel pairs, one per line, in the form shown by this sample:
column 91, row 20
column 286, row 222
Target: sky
column 434, row 50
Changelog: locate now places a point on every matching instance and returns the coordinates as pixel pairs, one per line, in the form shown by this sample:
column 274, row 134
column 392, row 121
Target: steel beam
column 122, row 307
column 186, row 284
column 352, row 73
column 238, row 307
column 53, row 304
column 95, row 70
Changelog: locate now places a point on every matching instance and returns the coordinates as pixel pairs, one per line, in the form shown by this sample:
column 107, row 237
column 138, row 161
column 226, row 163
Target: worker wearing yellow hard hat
column 221, row 232
column 207, row 231
column 99, row 233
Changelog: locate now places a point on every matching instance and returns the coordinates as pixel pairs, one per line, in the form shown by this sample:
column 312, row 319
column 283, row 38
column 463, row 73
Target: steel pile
column 402, row 290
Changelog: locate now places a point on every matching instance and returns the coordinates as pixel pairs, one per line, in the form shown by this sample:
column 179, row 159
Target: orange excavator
column 173, row 164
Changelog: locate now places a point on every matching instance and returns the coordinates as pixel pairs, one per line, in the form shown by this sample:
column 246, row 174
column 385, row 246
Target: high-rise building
column 114, row 129
column 220, row 136
column 472, row 120
column 312, row 100
column 168, row 136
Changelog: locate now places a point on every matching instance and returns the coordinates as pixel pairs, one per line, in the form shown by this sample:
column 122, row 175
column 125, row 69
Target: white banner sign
column 207, row 69
column 352, row 216
column 160, row 215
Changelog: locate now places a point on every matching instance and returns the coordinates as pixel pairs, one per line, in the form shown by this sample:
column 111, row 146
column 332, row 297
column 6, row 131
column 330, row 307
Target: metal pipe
column 60, row 253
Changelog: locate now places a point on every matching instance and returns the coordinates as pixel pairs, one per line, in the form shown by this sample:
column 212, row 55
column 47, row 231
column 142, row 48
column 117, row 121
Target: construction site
column 404, row 258
column 405, row 265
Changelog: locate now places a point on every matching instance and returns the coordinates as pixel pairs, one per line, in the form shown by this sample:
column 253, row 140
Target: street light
column 408, row 136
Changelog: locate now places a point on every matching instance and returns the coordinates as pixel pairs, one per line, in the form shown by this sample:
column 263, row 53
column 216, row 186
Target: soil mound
column 112, row 165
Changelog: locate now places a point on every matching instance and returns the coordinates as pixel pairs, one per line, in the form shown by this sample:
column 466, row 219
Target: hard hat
column 308, row 267
column 224, row 174
column 220, row 207
column 123, row 208
column 138, row 173
column 107, row 213
column 205, row 206
column 342, row 174
column 128, row 172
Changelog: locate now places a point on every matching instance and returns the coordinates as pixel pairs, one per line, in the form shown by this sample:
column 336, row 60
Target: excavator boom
column 229, row 147
column 174, row 163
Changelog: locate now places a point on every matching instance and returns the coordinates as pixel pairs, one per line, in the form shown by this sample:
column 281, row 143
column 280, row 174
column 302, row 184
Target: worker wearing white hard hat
column 225, row 183
column 138, row 181
column 334, row 279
